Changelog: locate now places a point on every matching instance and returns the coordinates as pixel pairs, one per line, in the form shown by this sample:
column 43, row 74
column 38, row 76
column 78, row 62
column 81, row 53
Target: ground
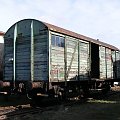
column 107, row 108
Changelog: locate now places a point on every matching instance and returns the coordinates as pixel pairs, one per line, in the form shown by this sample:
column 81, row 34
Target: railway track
column 5, row 111
column 8, row 114
column 19, row 112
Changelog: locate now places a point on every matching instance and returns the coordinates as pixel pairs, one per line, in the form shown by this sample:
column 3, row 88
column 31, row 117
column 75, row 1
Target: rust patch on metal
column 4, row 84
column 37, row 84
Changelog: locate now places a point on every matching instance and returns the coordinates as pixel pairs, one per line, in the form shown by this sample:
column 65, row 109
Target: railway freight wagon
column 41, row 59
column 1, row 54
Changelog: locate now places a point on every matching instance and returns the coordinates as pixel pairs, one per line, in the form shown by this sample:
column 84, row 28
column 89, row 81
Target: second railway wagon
column 1, row 54
column 49, row 60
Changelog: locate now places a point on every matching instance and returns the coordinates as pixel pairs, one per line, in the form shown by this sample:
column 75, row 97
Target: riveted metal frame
column 14, row 55
column 32, row 52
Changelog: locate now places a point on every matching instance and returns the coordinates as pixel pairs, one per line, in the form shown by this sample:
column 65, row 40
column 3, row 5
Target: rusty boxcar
column 46, row 60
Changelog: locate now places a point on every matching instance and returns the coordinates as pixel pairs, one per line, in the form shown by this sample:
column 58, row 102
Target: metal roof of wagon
column 79, row 36
column 70, row 33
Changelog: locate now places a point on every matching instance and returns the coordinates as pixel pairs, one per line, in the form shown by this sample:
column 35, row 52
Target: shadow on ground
column 13, row 100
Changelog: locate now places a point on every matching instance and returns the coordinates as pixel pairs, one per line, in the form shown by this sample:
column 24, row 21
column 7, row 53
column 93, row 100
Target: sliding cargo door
column 95, row 63
column 84, row 61
column 71, row 59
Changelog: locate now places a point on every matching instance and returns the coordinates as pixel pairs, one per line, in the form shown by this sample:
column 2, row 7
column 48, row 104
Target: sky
column 98, row 19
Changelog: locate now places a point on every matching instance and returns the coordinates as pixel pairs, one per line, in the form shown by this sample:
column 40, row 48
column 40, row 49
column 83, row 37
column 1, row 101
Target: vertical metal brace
column 116, row 74
column 49, row 55
column 78, row 60
column 115, row 66
column 32, row 52
column 90, row 61
column 106, row 62
column 111, row 64
column 14, row 55
column 119, row 62
column 65, row 61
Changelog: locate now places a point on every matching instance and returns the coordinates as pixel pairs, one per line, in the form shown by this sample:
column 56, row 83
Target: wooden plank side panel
column 57, row 63
column 23, row 58
column 72, row 59
column 102, row 63
column 83, row 61
column 40, row 56
column 23, row 46
column 109, row 63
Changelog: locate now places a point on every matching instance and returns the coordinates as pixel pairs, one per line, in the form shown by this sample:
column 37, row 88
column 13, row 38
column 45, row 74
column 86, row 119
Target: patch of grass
column 102, row 101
